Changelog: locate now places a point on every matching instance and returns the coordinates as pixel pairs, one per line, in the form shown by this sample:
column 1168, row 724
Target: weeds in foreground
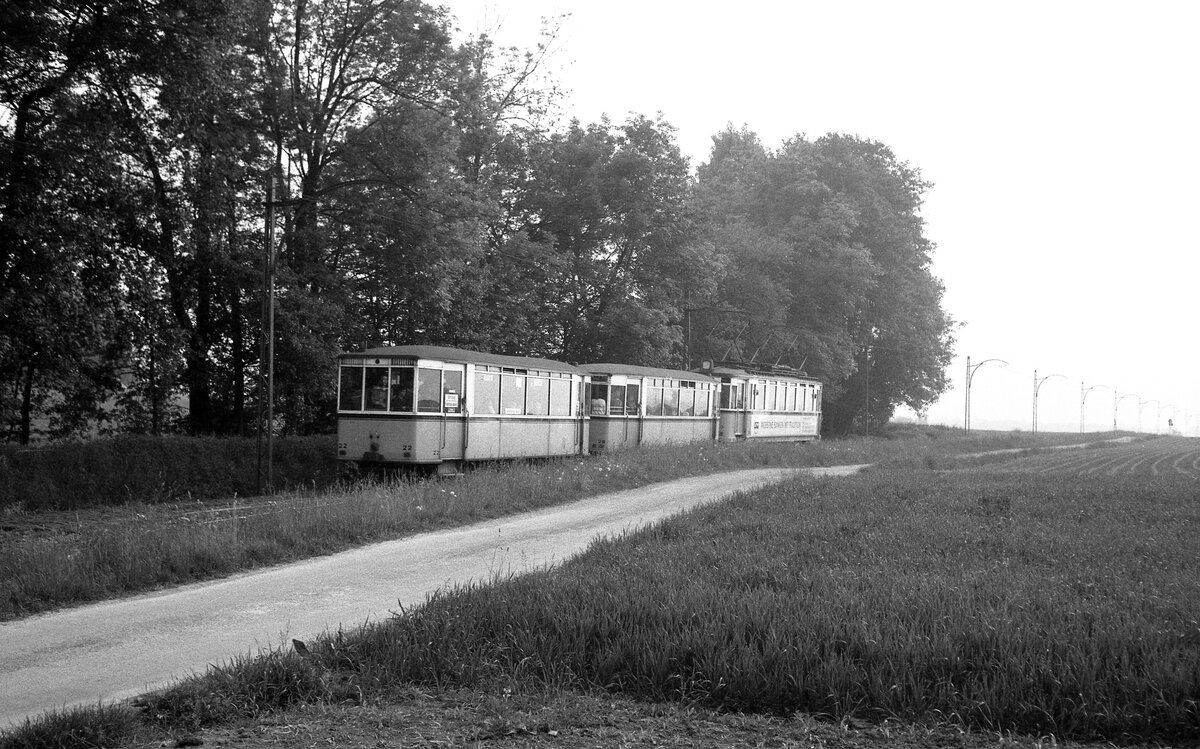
column 1041, row 605
column 95, row 726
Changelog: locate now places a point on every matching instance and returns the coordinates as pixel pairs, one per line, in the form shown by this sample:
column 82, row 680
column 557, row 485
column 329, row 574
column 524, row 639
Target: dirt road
column 117, row 649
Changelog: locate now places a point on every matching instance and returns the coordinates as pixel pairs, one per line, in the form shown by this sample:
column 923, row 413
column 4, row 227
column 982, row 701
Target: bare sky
column 1060, row 138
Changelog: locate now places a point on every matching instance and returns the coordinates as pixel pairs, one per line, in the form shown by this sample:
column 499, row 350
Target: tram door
column 733, row 417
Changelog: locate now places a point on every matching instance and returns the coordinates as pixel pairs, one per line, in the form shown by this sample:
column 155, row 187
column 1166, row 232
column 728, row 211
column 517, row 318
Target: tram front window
column 402, row 389
column 377, row 389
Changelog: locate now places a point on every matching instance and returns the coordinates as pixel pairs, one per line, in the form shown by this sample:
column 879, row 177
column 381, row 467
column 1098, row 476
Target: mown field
column 1048, row 597
column 1160, row 458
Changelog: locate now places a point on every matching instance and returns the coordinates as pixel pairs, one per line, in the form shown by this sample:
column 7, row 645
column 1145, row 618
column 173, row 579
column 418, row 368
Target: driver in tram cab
column 599, row 405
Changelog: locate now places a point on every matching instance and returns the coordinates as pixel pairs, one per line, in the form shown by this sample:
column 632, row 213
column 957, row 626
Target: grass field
column 53, row 559
column 1054, row 594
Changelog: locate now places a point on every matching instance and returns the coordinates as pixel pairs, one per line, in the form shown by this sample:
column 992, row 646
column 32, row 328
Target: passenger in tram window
column 599, row 404
column 402, row 389
column 617, row 401
column 377, row 388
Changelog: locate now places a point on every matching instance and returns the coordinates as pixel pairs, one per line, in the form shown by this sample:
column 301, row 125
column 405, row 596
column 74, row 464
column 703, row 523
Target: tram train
column 439, row 407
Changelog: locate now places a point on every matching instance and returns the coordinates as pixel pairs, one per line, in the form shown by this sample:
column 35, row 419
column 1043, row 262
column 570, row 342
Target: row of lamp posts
column 1083, row 394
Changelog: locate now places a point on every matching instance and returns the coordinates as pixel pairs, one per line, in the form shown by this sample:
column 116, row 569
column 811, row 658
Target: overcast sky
column 1060, row 138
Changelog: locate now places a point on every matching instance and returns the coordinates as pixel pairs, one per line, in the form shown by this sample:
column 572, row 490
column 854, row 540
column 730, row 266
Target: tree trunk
column 27, row 402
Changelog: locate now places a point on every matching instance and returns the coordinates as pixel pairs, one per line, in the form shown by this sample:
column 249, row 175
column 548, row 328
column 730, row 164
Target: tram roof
column 633, row 369
column 466, row 356
column 774, row 373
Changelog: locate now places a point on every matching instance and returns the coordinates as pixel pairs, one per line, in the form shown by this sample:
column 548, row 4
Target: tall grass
column 143, row 469
column 143, row 546
column 1040, row 605
column 91, row 727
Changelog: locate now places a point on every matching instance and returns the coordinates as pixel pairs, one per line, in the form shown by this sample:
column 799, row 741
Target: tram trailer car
column 630, row 406
column 438, row 407
column 774, row 404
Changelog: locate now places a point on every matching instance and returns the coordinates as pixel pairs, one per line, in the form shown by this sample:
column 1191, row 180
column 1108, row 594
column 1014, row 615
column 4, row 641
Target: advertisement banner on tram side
column 783, row 425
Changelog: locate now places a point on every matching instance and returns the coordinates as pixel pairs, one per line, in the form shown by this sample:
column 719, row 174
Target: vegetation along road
column 942, row 597
column 120, row 648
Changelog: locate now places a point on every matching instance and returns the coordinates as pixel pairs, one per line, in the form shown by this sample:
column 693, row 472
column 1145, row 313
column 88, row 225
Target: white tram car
column 630, row 405
column 437, row 406
column 440, row 407
column 772, row 404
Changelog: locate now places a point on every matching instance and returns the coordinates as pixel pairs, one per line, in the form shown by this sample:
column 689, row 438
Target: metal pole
column 1082, row 398
column 271, row 347
column 1083, row 394
column 967, row 407
column 266, row 365
column 1037, row 385
column 1035, row 391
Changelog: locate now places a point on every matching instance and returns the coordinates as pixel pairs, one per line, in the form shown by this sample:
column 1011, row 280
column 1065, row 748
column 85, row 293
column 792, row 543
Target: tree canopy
column 422, row 192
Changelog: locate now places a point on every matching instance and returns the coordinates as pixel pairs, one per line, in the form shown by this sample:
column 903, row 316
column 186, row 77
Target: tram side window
column 791, row 397
column 537, row 396
column 351, row 389
column 702, row 400
column 687, row 402
column 816, row 398
column 429, row 390
column 560, row 397
column 452, row 391
column 654, row 401
column 781, row 397
column 512, row 395
column 402, row 389
column 770, row 404
column 760, row 397
column 377, row 388
column 487, row 393
column 670, row 402
column 631, row 399
column 616, row 404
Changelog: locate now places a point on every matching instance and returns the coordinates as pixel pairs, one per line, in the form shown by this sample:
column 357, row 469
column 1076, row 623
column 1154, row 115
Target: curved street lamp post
column 1083, row 394
column 1037, row 385
column 970, row 376
column 1117, row 403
